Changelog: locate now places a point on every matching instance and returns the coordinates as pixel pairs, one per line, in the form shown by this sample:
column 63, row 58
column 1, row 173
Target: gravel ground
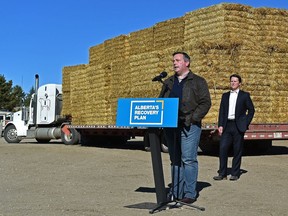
column 54, row 179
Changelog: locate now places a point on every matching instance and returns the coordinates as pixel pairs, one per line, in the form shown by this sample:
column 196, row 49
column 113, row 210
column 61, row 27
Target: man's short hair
column 186, row 56
column 237, row 76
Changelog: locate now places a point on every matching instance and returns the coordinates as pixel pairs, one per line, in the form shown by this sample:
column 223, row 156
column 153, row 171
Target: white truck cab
column 42, row 120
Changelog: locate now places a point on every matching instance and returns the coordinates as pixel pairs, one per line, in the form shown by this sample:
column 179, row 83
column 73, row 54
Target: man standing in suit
column 235, row 115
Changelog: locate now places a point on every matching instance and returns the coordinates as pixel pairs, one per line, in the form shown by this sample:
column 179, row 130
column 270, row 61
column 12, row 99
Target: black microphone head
column 160, row 76
column 163, row 74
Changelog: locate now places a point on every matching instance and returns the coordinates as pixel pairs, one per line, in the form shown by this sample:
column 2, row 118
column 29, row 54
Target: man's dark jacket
column 244, row 111
column 196, row 100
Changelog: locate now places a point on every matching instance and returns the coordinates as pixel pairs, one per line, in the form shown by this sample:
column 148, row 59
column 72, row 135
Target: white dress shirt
column 232, row 104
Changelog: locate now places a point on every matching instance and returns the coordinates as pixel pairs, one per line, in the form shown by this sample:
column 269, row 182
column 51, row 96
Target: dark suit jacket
column 243, row 114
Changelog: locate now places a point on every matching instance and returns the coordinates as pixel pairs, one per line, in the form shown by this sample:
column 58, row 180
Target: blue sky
column 43, row 36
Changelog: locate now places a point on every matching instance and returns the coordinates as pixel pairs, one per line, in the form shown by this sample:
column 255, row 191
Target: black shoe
column 234, row 178
column 188, row 200
column 219, row 177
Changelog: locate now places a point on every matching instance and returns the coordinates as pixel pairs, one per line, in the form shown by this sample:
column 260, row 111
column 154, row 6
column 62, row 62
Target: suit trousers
column 231, row 136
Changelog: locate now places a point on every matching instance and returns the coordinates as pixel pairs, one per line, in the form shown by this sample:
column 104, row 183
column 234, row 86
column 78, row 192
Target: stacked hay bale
column 233, row 38
column 98, row 88
column 221, row 40
column 141, row 41
column 143, row 61
column 117, row 77
column 95, row 99
column 74, row 87
column 144, row 65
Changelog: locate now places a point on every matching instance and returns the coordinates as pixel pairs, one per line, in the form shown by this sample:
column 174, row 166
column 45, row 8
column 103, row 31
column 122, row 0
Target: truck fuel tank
column 48, row 133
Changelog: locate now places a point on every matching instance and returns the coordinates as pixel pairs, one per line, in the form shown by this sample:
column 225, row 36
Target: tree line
column 12, row 98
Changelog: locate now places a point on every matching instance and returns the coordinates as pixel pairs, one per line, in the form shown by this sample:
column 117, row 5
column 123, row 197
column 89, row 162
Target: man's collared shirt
column 232, row 103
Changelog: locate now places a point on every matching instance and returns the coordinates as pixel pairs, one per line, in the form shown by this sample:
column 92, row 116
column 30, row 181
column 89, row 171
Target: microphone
column 160, row 76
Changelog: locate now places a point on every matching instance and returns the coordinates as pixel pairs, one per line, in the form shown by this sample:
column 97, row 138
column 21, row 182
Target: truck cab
column 42, row 120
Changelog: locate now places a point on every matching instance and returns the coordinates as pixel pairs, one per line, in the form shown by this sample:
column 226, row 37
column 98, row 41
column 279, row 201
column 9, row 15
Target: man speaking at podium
column 194, row 103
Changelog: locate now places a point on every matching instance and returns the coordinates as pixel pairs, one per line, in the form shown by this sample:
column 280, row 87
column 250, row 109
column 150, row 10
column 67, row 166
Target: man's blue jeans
column 183, row 145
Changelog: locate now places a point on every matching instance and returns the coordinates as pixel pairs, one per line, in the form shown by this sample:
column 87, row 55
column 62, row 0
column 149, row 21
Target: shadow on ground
column 149, row 205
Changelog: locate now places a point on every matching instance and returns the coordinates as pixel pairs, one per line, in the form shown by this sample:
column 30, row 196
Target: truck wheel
column 72, row 138
column 10, row 134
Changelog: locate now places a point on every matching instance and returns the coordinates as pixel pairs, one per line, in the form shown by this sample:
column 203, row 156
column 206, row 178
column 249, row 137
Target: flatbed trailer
column 267, row 132
column 90, row 134
column 275, row 131
column 259, row 136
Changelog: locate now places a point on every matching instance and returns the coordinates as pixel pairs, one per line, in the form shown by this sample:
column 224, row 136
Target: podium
column 153, row 113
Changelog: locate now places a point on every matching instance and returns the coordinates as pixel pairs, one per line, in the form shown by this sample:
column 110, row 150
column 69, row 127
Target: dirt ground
column 54, row 179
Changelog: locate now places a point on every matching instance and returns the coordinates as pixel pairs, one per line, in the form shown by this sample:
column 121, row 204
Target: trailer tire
column 72, row 138
column 10, row 134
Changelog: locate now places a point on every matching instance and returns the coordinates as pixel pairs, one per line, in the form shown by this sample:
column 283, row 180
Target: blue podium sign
column 147, row 112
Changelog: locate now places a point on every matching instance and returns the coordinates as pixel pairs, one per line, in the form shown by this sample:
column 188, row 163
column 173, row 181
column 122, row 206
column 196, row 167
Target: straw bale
column 206, row 28
column 111, row 118
column 120, row 79
column 273, row 27
column 117, row 47
column 143, row 68
column 237, row 7
column 274, row 47
column 283, row 14
column 212, row 116
column 142, row 41
column 96, row 53
column 169, row 33
column 214, row 62
column 279, row 111
column 79, row 96
column 117, row 78
column 77, row 88
column 69, row 74
column 96, row 104
column 272, row 22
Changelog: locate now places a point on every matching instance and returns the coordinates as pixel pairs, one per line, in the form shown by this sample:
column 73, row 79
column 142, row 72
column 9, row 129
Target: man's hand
column 220, row 130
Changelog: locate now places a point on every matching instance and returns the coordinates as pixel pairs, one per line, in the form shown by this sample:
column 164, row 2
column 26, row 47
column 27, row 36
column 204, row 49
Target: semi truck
column 43, row 121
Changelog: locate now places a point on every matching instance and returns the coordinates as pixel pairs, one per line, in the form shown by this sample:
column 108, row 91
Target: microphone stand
column 161, row 195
